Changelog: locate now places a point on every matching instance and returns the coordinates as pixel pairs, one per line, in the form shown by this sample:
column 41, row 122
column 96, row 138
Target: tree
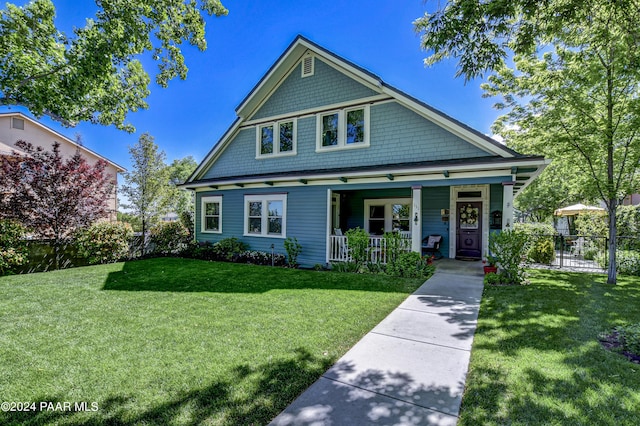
column 180, row 201
column 572, row 93
column 51, row 196
column 93, row 75
column 146, row 185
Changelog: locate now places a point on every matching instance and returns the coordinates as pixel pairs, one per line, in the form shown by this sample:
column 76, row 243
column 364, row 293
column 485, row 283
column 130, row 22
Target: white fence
column 339, row 249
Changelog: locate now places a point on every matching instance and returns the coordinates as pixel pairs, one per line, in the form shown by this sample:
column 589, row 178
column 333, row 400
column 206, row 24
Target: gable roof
column 292, row 56
column 60, row 136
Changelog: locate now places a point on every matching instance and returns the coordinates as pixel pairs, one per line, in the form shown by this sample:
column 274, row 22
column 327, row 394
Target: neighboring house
column 631, row 200
column 321, row 145
column 15, row 126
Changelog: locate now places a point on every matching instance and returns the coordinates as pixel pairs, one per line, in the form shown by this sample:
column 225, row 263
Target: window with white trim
column 211, row 213
column 265, row 215
column 343, row 129
column 387, row 215
column 276, row 139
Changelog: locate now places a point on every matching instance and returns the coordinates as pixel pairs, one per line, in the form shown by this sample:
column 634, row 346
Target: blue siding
column 306, row 220
column 434, row 199
column 325, row 87
column 397, row 135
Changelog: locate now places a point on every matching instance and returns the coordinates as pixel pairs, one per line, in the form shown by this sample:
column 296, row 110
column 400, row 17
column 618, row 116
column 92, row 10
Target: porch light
column 416, row 219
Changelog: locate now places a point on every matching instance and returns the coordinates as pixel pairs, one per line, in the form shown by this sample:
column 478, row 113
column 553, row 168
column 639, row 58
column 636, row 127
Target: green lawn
column 536, row 358
column 177, row 341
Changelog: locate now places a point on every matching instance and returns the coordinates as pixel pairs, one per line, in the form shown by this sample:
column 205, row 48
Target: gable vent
column 17, row 123
column 307, row 66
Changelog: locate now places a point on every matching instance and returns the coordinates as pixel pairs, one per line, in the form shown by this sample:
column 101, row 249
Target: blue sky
column 190, row 116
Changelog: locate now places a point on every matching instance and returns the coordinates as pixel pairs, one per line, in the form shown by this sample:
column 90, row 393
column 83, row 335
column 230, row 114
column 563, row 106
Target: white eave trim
column 454, row 171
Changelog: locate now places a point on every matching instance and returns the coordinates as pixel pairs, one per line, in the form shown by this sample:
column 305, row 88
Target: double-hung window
column 211, row 209
column 276, row 139
column 343, row 129
column 265, row 215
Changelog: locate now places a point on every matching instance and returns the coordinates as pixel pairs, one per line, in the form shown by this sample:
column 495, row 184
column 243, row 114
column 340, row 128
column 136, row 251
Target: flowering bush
column 104, row 242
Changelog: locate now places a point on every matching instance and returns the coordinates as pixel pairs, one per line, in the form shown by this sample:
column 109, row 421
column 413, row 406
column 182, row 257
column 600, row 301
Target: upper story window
column 17, row 123
column 344, row 129
column 276, row 139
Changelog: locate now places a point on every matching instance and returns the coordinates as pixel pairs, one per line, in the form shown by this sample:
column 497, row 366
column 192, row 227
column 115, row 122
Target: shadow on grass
column 536, row 357
column 189, row 275
column 276, row 384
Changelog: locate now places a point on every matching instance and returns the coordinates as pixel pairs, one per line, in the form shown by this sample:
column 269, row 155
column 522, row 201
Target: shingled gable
column 289, row 60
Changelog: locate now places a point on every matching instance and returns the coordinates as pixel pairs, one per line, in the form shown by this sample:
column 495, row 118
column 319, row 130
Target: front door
column 469, row 229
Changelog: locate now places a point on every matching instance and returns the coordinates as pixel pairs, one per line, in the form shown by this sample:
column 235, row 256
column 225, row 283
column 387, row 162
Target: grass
column 177, row 341
column 536, row 358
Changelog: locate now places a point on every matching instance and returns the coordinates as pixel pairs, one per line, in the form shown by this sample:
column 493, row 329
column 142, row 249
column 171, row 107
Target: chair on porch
column 431, row 245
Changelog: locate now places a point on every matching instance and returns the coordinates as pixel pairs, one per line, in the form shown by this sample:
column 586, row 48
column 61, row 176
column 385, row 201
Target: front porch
column 378, row 250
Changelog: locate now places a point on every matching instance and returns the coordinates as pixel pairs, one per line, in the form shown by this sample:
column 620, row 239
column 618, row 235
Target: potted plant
column 490, row 264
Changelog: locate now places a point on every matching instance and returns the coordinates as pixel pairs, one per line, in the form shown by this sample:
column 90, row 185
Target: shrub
column 169, row 237
column 541, row 249
column 410, row 265
column 394, row 244
column 630, row 338
column 358, row 243
column 260, row 258
column 510, row 251
column 492, row 279
column 104, row 242
column 592, row 224
column 293, row 248
column 344, row 267
column 229, row 248
column 13, row 251
column 627, row 261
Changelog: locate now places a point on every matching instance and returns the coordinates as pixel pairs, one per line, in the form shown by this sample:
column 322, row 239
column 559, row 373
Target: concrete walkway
column 411, row 368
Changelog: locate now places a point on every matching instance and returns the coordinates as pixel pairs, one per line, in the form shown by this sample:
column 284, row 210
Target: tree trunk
column 611, row 271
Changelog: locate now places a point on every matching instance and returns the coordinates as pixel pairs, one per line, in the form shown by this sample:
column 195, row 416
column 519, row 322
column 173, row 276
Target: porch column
column 416, row 218
column 507, row 205
column 328, row 234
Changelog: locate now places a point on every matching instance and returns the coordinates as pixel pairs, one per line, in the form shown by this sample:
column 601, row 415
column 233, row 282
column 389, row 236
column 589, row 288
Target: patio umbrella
column 577, row 209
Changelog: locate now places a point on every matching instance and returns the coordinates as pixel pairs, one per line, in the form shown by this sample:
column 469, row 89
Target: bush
column 510, row 251
column 410, row 265
column 492, row 279
column 13, row 250
column 229, row 248
column 394, row 245
column 104, row 242
column 293, row 248
column 630, row 338
column 260, row 258
column 628, row 262
column 169, row 237
column 358, row 243
column 541, row 249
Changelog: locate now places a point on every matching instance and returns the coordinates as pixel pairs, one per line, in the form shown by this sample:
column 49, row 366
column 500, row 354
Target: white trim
column 203, row 217
column 388, row 211
column 328, row 233
column 276, row 139
column 453, row 221
column 507, row 207
column 416, row 213
column 310, row 112
column 312, row 65
column 342, row 129
column 264, row 225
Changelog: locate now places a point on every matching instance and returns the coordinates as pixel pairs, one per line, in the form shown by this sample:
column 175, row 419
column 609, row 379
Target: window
column 212, row 215
column 386, row 215
column 265, row 215
column 17, row 123
column 348, row 128
column 275, row 139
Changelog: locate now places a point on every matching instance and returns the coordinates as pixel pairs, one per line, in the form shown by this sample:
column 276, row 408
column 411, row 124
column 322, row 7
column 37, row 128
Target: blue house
column 321, row 145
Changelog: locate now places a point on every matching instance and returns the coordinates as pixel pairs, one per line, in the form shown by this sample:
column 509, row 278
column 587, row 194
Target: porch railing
column 378, row 252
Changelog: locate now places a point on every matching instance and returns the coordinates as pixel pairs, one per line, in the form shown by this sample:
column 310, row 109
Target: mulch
column 612, row 343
